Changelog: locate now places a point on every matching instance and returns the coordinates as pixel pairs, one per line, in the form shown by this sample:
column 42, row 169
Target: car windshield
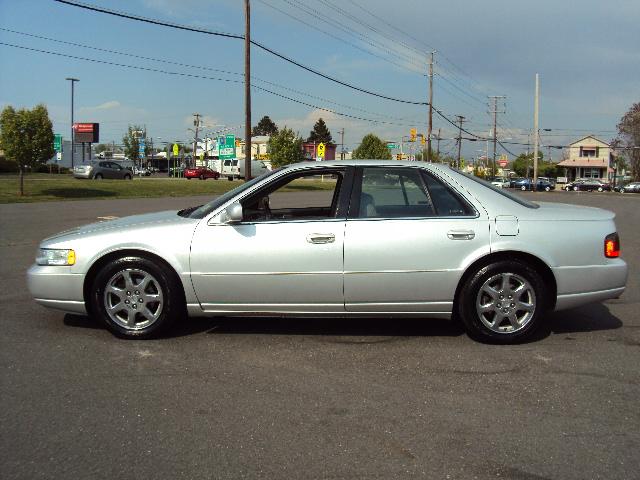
column 502, row 191
column 204, row 210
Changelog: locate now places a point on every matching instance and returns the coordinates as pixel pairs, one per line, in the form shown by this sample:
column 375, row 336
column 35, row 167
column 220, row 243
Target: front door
column 285, row 256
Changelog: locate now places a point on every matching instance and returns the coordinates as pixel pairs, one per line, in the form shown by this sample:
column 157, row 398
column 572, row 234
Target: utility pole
column 460, row 119
column 196, row 123
column 342, row 144
column 536, row 132
column 72, row 80
column 430, row 124
column 247, row 91
column 495, row 130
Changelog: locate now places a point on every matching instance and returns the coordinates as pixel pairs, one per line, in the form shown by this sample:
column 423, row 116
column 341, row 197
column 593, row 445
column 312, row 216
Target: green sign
column 227, row 147
column 392, row 146
column 57, row 143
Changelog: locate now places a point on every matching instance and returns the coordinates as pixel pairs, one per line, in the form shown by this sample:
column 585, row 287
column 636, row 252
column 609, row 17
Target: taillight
column 612, row 245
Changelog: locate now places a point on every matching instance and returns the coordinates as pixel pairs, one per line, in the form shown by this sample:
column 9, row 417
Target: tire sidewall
column 467, row 302
column 171, row 308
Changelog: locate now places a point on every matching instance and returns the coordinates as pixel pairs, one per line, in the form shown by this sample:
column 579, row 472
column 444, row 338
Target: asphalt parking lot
column 312, row 399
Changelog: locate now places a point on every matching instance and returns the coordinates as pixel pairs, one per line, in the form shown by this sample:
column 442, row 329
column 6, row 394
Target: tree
column 285, row 147
column 265, row 127
column 102, row 147
column 26, row 136
column 131, row 141
column 629, row 135
column 320, row 133
column 372, row 147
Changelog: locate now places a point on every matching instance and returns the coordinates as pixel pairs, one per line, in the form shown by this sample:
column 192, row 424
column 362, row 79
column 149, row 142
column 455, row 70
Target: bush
column 7, row 166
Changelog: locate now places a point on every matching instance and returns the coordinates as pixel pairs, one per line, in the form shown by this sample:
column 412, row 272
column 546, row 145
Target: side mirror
column 233, row 213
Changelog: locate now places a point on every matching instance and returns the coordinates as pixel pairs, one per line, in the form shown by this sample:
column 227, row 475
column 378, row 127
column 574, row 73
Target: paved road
column 312, row 399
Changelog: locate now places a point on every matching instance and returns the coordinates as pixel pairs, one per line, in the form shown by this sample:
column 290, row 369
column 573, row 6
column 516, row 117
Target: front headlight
column 49, row 256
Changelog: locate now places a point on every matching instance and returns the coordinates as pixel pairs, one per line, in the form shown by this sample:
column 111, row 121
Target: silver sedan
column 378, row 238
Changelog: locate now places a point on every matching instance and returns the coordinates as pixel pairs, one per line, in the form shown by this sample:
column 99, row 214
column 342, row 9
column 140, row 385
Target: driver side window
column 299, row 196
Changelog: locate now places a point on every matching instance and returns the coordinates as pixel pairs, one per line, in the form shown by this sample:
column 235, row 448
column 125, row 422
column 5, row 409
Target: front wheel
column 547, row 189
column 575, row 189
column 127, row 177
column 136, row 298
column 98, row 176
column 503, row 302
column 600, row 189
column 523, row 188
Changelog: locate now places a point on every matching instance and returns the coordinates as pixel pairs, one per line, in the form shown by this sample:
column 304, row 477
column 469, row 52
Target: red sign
column 503, row 163
column 86, row 132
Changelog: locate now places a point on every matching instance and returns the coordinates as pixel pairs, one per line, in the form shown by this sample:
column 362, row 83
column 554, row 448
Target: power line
column 191, row 75
column 253, row 42
column 203, row 67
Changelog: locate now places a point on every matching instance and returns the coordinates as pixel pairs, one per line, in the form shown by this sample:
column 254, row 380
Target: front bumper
column 86, row 174
column 56, row 287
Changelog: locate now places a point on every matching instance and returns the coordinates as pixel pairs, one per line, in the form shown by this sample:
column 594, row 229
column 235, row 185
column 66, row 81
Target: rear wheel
column 201, row 177
column 600, row 189
column 127, row 177
column 575, row 189
column 503, row 302
column 523, row 188
column 136, row 298
column 547, row 189
column 98, row 176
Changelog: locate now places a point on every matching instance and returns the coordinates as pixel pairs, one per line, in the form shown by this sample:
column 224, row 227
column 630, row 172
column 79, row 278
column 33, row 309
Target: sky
column 586, row 53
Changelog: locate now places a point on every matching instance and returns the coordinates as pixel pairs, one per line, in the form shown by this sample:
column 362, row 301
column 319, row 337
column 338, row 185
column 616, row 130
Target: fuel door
column 507, row 226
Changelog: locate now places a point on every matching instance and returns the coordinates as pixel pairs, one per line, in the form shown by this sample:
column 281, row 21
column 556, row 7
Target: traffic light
column 423, row 139
column 412, row 135
column 398, row 156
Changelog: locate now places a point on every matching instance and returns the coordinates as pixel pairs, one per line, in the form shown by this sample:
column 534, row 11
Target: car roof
column 370, row 163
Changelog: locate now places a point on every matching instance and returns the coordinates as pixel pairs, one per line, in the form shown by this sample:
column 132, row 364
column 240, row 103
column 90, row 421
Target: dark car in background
column 527, row 184
column 588, row 185
column 104, row 169
column 201, row 172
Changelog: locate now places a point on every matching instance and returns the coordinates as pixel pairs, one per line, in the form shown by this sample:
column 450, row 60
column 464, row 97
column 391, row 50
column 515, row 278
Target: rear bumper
column 594, row 283
column 82, row 174
column 53, row 287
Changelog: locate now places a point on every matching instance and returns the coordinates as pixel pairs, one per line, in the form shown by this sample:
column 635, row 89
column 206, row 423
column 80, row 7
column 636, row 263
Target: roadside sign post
column 321, row 150
column 57, row 143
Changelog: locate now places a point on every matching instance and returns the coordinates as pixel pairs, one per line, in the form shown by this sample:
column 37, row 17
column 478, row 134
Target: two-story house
column 589, row 157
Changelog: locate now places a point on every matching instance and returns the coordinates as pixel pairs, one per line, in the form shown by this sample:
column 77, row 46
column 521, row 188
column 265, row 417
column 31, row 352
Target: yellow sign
column 320, row 150
column 423, row 139
column 412, row 134
column 176, row 149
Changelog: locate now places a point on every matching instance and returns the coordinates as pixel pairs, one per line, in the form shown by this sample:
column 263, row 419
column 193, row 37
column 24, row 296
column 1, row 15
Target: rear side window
column 445, row 201
column 393, row 193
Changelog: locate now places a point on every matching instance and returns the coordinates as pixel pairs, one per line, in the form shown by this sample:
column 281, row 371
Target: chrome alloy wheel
column 506, row 303
column 133, row 299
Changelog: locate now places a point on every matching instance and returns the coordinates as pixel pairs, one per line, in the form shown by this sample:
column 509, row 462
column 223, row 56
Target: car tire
column 230, row 179
column 127, row 177
column 137, row 298
column 202, row 177
column 600, row 189
column 98, row 176
column 523, row 188
column 188, row 178
column 547, row 189
column 575, row 189
column 485, row 314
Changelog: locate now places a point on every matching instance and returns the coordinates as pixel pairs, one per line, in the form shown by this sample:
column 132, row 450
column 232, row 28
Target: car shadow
column 590, row 318
column 77, row 192
column 579, row 320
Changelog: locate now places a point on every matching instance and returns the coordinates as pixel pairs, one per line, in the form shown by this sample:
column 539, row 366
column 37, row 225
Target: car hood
column 126, row 223
column 568, row 213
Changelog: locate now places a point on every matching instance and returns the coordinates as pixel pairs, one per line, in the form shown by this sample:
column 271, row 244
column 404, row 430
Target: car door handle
column 321, row 238
column 461, row 234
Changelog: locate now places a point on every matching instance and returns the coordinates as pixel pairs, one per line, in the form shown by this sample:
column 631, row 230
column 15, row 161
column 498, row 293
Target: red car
column 200, row 172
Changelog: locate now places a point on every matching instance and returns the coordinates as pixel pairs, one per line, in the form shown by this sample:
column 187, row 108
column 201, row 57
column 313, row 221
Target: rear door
column 407, row 241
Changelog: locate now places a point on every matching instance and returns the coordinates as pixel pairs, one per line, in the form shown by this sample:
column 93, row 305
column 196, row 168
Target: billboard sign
column 141, row 146
column 57, row 143
column 86, row 132
column 227, row 147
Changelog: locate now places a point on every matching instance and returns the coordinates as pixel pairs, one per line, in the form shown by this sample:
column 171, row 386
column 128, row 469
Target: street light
column 73, row 81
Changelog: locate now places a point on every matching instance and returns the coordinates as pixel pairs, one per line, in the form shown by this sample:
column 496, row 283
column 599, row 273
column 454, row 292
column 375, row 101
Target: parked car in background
column 501, row 182
column 103, row 169
column 527, row 184
column 478, row 253
column 200, row 172
column 588, row 185
column 552, row 181
column 633, row 187
column 141, row 171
